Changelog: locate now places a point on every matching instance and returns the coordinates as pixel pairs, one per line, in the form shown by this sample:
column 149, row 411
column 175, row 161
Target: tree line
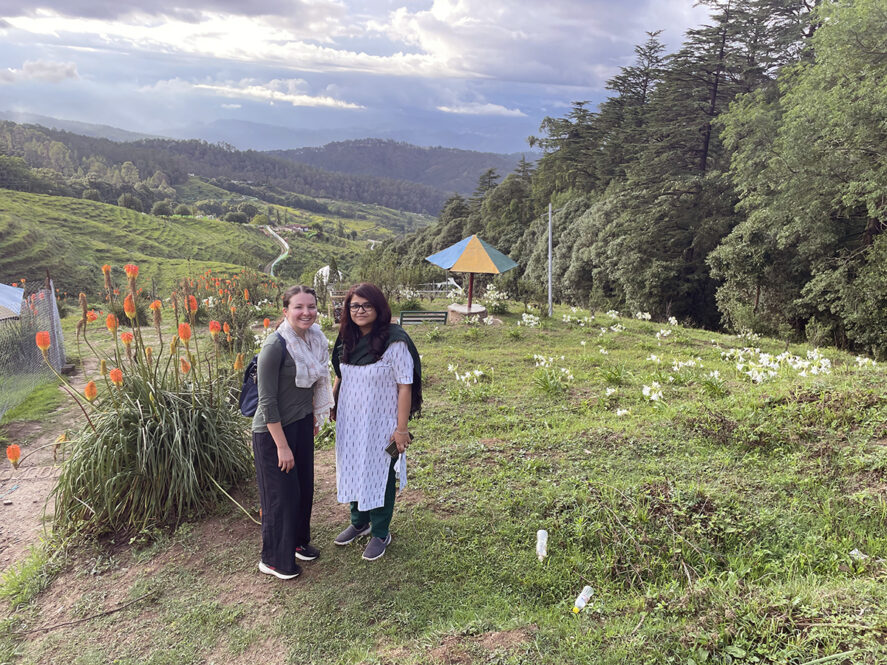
column 66, row 163
column 739, row 182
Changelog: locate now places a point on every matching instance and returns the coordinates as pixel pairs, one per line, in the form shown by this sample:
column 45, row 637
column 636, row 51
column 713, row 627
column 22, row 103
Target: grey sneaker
column 376, row 548
column 351, row 534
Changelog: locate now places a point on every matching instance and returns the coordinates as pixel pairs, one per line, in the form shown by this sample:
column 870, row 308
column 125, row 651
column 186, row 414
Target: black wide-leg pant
column 286, row 498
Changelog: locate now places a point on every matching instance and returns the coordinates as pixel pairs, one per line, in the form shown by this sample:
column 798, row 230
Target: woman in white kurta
column 378, row 386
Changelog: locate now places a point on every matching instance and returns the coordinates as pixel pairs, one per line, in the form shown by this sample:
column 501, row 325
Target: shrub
column 162, row 437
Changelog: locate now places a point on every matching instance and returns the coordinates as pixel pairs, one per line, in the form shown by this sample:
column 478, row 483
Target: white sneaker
column 269, row 570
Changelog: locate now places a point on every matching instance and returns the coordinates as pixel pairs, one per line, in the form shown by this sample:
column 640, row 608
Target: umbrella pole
column 470, row 289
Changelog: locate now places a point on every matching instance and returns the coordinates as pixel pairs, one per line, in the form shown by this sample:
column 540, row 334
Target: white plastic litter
column 583, row 599
column 541, row 544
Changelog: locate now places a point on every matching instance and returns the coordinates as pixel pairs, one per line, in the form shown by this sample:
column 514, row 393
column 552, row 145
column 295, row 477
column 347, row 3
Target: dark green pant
column 378, row 518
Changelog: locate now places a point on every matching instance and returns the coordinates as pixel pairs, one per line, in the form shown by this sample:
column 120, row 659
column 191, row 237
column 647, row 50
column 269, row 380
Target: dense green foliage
column 737, row 182
column 70, row 164
column 445, row 169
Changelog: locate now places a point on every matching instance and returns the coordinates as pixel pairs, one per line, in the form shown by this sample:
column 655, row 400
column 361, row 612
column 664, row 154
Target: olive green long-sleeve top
column 280, row 400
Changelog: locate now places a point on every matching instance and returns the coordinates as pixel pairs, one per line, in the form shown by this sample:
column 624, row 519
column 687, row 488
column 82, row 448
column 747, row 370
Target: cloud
column 310, row 12
column 477, row 108
column 291, row 91
column 232, row 106
column 40, row 70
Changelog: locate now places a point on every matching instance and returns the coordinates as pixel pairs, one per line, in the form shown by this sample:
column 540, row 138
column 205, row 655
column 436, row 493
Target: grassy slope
column 377, row 221
column 73, row 238
column 715, row 525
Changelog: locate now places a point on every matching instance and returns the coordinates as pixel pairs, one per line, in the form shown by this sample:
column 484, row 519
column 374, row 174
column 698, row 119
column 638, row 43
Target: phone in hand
column 392, row 450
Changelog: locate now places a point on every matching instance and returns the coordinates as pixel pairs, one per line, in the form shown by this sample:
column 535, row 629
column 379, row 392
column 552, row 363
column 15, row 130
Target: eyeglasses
column 360, row 307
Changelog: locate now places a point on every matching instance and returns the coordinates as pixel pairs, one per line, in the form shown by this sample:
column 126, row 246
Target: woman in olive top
column 295, row 397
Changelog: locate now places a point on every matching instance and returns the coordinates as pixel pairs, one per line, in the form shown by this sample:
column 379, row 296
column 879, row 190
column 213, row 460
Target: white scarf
column 311, row 356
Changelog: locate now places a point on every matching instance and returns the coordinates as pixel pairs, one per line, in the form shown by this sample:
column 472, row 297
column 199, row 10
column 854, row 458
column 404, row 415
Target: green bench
column 414, row 316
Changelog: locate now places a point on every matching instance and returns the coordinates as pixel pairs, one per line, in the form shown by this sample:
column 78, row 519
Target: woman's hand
column 285, row 461
column 401, row 438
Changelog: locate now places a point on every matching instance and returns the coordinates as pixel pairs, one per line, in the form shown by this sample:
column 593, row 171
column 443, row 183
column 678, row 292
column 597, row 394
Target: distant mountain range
column 444, row 170
column 449, row 169
column 82, row 128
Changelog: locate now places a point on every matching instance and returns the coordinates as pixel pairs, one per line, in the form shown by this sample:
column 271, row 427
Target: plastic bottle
column 541, row 544
column 583, row 599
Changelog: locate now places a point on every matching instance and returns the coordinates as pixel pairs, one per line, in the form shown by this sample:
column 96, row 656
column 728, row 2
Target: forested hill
column 740, row 181
column 70, row 155
column 447, row 169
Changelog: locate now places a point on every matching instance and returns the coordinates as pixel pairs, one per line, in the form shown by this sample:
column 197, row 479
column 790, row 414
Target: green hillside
column 73, row 238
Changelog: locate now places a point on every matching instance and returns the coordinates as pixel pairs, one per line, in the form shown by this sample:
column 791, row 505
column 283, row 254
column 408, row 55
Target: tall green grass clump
column 162, row 440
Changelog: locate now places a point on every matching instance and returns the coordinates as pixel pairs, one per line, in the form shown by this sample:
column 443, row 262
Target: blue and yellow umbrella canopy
column 472, row 255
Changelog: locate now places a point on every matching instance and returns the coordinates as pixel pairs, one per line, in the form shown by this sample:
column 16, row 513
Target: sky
column 473, row 74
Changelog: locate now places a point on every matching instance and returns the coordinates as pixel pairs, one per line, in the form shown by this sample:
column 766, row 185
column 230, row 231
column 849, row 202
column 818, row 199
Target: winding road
column 283, row 243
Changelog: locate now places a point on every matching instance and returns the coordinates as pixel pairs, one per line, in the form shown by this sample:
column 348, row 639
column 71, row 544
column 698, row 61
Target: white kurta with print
column 366, row 416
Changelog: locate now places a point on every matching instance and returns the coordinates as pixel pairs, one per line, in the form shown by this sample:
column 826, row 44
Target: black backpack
column 249, row 392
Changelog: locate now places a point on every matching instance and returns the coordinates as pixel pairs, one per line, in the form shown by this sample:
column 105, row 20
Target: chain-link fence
column 21, row 363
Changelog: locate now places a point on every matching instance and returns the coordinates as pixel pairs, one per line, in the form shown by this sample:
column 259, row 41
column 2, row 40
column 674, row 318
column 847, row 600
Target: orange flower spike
column 90, row 391
column 91, row 316
column 266, row 322
column 215, row 328
column 192, row 304
column 116, row 376
column 185, row 333
column 43, row 341
column 149, row 354
column 111, row 323
column 155, row 306
column 106, row 270
column 233, row 309
column 184, row 365
column 226, row 328
column 246, row 294
column 238, row 362
column 126, row 338
column 13, row 454
column 129, row 307
column 131, row 271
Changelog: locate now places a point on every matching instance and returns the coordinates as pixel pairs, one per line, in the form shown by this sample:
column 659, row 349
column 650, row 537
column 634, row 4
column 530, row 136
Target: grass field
column 726, row 504
column 73, row 238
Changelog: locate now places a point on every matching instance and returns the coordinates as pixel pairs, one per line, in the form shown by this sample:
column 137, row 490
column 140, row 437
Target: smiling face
column 362, row 313
column 301, row 312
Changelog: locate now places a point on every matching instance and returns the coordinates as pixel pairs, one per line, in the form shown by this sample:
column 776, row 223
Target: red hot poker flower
column 266, row 322
column 116, row 376
column 184, row 332
column 184, row 365
column 43, row 341
column 192, row 304
column 214, row 328
column 129, row 307
column 111, row 323
column 90, row 391
column 126, row 338
column 131, row 270
column 14, row 454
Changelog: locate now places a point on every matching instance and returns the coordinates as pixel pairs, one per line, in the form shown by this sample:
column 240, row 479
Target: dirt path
column 24, row 492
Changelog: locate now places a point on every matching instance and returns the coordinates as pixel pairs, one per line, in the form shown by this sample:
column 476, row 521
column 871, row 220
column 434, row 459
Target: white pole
column 550, row 302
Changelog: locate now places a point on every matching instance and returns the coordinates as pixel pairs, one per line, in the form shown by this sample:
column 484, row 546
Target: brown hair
column 288, row 295
column 349, row 333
